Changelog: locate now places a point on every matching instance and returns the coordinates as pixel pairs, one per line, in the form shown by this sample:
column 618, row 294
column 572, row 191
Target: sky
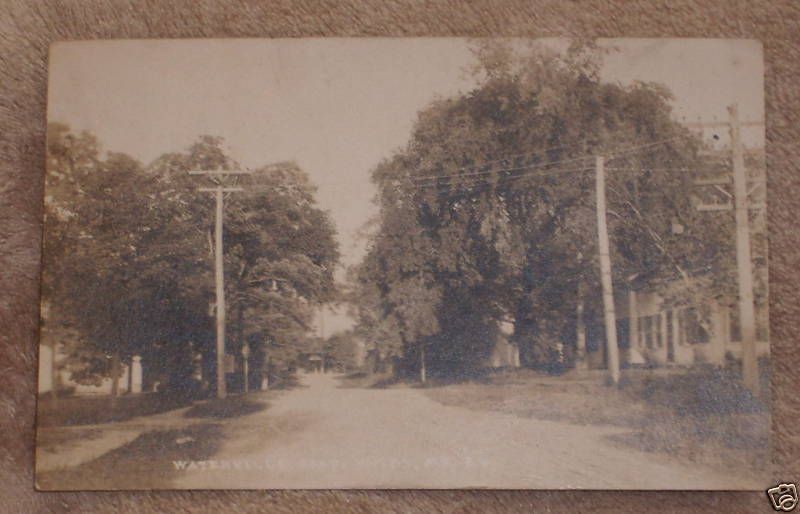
column 338, row 107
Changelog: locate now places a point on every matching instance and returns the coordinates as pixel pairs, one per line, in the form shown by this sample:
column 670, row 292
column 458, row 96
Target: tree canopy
column 129, row 257
column 488, row 213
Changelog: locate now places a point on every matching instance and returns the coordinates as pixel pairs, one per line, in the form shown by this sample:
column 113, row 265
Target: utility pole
column 741, row 206
column 219, row 271
column 612, row 350
column 744, row 261
column 633, row 318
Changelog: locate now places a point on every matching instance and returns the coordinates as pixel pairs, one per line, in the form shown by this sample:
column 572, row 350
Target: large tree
column 129, row 258
column 280, row 261
column 95, row 277
column 489, row 208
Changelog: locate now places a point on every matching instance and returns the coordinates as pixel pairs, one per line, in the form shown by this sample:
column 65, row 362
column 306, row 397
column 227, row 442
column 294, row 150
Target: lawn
column 94, row 410
column 230, row 407
column 701, row 415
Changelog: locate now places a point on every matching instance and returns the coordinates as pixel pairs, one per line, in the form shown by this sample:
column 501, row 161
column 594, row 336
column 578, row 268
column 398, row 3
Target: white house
column 52, row 375
column 655, row 331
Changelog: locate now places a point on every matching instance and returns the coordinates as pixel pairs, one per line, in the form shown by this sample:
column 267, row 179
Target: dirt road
column 324, row 436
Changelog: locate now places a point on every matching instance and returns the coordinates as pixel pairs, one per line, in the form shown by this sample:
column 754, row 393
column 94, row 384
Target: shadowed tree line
column 128, row 261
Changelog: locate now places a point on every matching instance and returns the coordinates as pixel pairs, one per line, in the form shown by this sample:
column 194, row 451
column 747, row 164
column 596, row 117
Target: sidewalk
column 68, row 446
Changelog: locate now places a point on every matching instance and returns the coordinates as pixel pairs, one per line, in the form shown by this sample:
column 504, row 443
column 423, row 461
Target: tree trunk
column 240, row 335
column 115, row 373
column 580, row 329
column 422, row 370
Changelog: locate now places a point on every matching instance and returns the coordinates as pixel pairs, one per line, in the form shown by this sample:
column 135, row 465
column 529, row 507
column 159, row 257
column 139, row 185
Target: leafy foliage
column 488, row 214
column 129, row 258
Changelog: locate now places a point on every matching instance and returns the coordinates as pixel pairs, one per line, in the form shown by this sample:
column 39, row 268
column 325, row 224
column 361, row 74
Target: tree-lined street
column 546, row 244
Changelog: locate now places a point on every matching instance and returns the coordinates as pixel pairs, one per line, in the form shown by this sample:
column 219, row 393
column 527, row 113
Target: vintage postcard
column 405, row 263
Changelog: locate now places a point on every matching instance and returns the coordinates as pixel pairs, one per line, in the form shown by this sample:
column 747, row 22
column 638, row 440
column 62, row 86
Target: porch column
column 136, row 374
column 654, row 328
column 633, row 320
column 665, row 336
column 676, row 328
column 717, row 336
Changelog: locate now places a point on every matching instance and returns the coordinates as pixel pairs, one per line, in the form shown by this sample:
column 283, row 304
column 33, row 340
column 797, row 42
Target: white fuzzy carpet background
column 28, row 27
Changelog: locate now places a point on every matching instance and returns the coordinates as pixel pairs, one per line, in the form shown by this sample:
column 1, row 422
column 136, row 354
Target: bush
column 706, row 390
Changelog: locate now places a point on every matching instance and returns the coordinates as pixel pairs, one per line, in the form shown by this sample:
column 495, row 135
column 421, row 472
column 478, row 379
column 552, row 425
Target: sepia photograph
column 381, row 263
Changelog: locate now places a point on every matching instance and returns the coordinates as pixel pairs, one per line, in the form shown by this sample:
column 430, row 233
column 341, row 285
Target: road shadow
column 148, row 462
column 363, row 380
column 59, row 440
column 226, row 408
column 286, row 382
column 151, row 461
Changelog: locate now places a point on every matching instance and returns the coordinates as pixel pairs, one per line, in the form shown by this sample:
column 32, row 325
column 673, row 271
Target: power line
column 429, row 180
column 539, row 169
column 647, row 168
column 657, row 239
column 544, row 150
column 502, row 180
column 612, row 155
column 633, row 149
column 519, row 155
column 491, row 172
column 475, row 181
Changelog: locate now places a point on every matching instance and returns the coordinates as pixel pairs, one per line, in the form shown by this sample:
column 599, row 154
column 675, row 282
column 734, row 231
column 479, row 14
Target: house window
column 694, row 330
column 642, row 333
column 678, row 329
column 622, row 333
column 647, row 325
column 670, row 337
column 735, row 330
column 762, row 323
column 659, row 337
